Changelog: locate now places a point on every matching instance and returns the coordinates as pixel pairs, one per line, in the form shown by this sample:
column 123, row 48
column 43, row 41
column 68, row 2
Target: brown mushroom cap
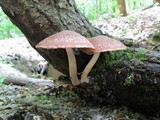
column 65, row 39
column 103, row 44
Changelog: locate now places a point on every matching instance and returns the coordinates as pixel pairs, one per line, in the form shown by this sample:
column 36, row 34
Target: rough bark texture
column 38, row 19
column 135, row 84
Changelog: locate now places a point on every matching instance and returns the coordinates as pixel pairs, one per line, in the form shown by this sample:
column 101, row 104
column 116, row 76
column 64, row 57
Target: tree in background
column 122, row 7
column 158, row 1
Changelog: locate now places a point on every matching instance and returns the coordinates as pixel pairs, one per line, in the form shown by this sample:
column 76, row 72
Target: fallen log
column 135, row 84
column 128, row 78
column 12, row 76
column 24, row 81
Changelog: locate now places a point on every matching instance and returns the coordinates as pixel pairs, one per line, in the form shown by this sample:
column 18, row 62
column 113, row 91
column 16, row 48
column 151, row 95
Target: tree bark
column 122, row 7
column 135, row 84
column 39, row 19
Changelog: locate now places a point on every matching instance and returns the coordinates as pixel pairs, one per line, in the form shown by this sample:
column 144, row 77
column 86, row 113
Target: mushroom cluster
column 93, row 46
column 67, row 40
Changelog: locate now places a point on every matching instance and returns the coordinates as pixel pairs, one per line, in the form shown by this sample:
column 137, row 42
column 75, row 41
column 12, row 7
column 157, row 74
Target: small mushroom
column 101, row 44
column 67, row 40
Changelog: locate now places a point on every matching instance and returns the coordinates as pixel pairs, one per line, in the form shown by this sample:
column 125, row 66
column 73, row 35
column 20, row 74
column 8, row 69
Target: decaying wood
column 134, row 84
column 25, row 81
column 12, row 78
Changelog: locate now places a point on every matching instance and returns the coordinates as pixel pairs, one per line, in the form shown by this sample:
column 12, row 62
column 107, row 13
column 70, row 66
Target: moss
column 129, row 80
column 125, row 57
column 43, row 98
column 156, row 36
column 140, row 54
column 1, row 80
column 67, row 93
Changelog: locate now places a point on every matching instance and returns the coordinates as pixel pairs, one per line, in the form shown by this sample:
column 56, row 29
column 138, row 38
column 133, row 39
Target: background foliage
column 92, row 9
column 7, row 29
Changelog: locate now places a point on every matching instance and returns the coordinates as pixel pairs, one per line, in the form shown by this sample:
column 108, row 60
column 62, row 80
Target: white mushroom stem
column 84, row 76
column 72, row 66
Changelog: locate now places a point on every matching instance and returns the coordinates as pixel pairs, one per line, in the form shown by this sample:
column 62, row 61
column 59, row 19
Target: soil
column 28, row 103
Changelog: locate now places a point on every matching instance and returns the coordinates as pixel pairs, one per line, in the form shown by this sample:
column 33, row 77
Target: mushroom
column 67, row 39
column 101, row 44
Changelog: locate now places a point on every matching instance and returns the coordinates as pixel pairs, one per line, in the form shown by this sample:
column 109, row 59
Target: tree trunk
column 39, row 19
column 122, row 7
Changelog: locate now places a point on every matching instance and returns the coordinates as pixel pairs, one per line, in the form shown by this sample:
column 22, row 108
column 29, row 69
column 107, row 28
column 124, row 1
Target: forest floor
column 30, row 102
column 44, row 103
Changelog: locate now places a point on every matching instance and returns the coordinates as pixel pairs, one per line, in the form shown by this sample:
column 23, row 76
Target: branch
column 23, row 81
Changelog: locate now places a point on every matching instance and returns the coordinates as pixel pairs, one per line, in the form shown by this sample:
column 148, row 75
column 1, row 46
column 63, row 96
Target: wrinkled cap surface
column 103, row 44
column 65, row 39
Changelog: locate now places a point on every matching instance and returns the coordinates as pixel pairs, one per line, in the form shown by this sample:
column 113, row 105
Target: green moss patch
column 111, row 59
